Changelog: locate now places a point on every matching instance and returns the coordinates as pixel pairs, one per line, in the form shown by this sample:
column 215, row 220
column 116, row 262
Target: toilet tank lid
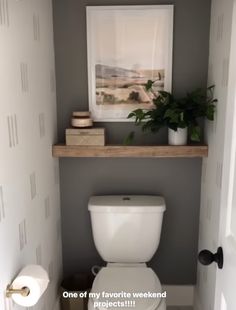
column 127, row 203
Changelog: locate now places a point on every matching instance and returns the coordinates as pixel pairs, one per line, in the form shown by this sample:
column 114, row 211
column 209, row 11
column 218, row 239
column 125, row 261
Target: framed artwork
column 126, row 47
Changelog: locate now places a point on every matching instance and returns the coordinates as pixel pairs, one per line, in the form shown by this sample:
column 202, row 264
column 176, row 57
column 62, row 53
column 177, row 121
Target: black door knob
column 205, row 257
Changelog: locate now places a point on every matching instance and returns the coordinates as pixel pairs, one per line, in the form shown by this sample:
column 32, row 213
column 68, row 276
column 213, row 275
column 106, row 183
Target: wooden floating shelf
column 60, row 150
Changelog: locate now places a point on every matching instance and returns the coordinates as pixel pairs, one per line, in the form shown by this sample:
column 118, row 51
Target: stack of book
column 85, row 136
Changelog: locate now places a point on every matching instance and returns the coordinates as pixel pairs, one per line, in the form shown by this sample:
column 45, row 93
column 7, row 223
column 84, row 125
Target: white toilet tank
column 126, row 229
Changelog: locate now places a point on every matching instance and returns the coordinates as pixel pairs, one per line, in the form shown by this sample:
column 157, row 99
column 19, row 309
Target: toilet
column 126, row 232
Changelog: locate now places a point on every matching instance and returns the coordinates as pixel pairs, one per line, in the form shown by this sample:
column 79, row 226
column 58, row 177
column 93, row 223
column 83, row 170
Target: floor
column 180, row 308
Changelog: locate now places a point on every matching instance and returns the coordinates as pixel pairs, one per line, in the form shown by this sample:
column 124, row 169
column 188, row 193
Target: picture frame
column 126, row 47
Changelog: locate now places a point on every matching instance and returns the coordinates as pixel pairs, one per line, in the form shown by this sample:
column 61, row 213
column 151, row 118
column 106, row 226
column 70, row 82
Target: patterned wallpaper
column 220, row 36
column 29, row 178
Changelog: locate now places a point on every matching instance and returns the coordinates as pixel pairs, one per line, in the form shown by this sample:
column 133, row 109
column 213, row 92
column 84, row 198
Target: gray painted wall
column 176, row 179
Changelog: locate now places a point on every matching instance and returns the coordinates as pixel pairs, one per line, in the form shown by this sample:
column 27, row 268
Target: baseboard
column 179, row 295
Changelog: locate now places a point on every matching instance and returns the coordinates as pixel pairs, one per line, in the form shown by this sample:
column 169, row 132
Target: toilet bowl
column 126, row 279
column 126, row 232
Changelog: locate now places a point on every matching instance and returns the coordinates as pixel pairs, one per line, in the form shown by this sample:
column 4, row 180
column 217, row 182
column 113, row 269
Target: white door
column 225, row 297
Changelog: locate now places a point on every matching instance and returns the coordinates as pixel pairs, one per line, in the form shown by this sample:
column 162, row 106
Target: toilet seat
column 129, row 280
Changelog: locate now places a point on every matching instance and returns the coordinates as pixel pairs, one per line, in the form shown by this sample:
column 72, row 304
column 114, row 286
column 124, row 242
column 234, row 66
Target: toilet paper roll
column 36, row 279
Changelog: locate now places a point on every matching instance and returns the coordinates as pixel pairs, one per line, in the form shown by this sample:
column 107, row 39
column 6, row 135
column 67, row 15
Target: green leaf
column 172, row 115
column 131, row 114
column 210, row 112
column 195, row 133
column 168, row 113
column 129, row 139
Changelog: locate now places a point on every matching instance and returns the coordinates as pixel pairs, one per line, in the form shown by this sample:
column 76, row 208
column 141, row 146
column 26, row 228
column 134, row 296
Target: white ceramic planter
column 178, row 137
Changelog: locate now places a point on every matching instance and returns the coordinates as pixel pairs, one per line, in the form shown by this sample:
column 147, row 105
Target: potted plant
column 181, row 116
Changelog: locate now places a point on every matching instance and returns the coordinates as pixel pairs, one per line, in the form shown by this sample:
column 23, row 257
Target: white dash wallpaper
column 29, row 177
column 220, row 37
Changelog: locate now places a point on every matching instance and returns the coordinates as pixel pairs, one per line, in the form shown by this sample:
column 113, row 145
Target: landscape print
column 127, row 46
column 116, row 86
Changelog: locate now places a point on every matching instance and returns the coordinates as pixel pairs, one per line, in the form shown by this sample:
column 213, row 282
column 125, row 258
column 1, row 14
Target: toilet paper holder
column 24, row 291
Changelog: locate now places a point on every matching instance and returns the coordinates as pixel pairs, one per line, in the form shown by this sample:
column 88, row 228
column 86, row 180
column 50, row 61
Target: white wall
column 29, row 178
column 221, row 19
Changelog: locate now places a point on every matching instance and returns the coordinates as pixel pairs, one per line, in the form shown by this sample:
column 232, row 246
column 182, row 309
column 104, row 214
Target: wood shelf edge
column 119, row 151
